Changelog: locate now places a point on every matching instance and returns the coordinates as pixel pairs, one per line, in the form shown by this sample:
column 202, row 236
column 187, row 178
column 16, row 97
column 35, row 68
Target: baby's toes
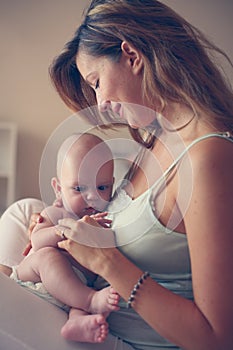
column 103, row 333
column 113, row 300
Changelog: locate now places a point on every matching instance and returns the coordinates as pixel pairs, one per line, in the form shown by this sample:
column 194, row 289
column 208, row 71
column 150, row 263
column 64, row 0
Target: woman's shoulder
column 212, row 158
column 212, row 147
column 211, row 180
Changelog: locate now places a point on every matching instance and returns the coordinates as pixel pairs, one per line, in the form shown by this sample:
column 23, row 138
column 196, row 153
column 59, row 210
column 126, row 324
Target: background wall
column 33, row 32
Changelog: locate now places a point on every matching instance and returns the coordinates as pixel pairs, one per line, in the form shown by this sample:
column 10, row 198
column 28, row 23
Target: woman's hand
column 82, row 240
column 87, row 231
column 87, row 241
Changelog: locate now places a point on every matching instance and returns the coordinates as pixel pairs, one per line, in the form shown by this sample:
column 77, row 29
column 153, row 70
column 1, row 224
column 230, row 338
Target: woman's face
column 118, row 86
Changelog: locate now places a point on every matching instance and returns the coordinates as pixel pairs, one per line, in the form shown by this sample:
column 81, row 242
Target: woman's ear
column 133, row 56
column 56, row 187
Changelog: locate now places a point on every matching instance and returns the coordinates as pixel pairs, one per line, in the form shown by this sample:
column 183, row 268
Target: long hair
column 179, row 64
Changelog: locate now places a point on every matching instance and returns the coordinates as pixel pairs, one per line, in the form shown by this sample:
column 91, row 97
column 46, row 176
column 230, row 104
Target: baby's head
column 84, row 179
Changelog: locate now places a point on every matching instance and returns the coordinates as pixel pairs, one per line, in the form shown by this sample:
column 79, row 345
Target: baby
column 83, row 186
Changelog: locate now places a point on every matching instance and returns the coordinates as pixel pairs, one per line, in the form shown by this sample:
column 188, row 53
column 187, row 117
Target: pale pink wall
column 213, row 17
column 32, row 32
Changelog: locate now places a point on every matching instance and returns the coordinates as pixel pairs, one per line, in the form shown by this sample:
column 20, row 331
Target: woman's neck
column 183, row 121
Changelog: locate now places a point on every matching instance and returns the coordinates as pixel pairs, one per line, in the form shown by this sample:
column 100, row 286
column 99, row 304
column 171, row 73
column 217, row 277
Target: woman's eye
column 97, row 84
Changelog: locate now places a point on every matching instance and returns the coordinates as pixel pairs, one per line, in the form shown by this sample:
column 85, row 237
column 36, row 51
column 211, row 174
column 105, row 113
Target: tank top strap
column 225, row 135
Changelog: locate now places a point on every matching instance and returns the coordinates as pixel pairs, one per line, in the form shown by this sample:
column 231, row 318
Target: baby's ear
column 56, row 187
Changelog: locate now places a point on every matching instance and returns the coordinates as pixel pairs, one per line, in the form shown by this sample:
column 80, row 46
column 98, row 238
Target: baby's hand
column 101, row 219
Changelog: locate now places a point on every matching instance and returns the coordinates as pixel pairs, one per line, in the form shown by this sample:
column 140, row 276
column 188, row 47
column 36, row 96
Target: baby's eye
column 79, row 188
column 102, row 187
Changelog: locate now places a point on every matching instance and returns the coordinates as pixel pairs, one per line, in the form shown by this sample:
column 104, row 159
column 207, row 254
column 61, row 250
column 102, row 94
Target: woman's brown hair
column 178, row 62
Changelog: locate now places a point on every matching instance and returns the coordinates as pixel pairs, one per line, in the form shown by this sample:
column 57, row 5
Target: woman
column 173, row 264
column 118, row 57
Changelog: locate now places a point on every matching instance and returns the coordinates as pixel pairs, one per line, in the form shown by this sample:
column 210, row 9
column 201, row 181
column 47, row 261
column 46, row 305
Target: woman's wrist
column 120, row 272
column 136, row 287
column 106, row 263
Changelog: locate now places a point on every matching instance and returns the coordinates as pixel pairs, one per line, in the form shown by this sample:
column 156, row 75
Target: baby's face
column 86, row 183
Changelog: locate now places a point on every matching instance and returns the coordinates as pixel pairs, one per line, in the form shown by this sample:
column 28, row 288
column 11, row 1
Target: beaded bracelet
column 136, row 287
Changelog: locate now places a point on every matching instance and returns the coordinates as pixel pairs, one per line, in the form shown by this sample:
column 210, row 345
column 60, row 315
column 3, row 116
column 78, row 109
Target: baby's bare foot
column 104, row 300
column 86, row 328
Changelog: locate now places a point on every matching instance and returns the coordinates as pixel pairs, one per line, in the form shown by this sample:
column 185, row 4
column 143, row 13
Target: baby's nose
column 91, row 195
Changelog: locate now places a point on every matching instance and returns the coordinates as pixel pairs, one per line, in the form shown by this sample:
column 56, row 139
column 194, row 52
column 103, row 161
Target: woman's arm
column 206, row 322
column 159, row 307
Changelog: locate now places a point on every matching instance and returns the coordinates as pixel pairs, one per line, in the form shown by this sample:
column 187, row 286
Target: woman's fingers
column 63, row 245
column 87, row 232
column 87, row 256
column 81, row 253
column 27, row 249
column 34, row 220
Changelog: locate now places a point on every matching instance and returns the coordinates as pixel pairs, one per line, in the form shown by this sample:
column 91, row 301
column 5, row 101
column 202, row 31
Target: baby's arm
column 44, row 233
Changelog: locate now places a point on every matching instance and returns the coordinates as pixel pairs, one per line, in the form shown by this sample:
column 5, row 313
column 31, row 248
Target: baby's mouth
column 90, row 211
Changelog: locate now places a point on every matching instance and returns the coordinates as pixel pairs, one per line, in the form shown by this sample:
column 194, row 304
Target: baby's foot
column 104, row 300
column 86, row 328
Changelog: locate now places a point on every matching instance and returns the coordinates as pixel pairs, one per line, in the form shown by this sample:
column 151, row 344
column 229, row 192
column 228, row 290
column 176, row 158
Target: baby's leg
column 54, row 270
column 84, row 327
column 26, row 269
